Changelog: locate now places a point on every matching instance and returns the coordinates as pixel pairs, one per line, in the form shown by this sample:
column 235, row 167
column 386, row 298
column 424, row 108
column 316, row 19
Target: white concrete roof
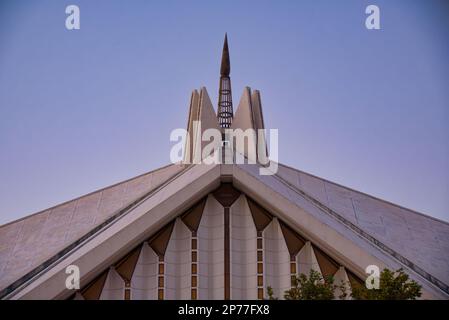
column 30, row 241
column 424, row 241
column 419, row 238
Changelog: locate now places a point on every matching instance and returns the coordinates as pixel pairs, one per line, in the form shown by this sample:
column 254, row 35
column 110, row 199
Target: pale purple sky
column 84, row 109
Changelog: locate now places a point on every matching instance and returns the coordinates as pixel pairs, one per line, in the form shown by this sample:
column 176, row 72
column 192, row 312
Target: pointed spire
column 225, row 112
column 225, row 69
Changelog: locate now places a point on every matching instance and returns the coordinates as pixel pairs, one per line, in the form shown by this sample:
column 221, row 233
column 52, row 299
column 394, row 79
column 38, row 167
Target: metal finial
column 225, row 111
column 225, row 69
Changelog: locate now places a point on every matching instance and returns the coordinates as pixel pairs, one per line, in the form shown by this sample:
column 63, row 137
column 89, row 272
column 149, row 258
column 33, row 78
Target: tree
column 311, row 287
column 271, row 293
column 393, row 285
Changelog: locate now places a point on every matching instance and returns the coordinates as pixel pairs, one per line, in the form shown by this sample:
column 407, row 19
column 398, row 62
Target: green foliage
column 311, row 287
column 271, row 294
column 393, row 285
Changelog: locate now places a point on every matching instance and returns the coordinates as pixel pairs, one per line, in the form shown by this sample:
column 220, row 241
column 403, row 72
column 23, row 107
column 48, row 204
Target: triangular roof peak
column 323, row 223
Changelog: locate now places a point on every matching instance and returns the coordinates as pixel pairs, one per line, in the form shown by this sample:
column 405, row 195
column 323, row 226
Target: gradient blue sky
column 80, row 110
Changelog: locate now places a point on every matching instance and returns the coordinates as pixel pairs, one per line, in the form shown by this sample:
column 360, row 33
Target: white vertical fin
column 258, row 122
column 78, row 296
column 341, row 279
column 243, row 118
column 249, row 116
column 276, row 260
column 306, row 260
column 144, row 281
column 206, row 113
column 114, row 287
column 178, row 261
column 211, row 251
column 202, row 116
column 243, row 258
column 193, row 116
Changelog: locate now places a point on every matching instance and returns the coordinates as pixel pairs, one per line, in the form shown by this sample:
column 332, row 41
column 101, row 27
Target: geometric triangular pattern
column 125, row 267
column 192, row 217
column 159, row 241
column 294, row 241
column 306, row 260
column 114, row 286
column 141, row 265
column 328, row 266
column 140, row 268
column 261, row 216
column 93, row 290
column 318, row 224
column 343, row 284
column 144, row 280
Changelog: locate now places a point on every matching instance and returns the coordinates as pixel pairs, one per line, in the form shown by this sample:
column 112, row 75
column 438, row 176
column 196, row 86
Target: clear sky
column 83, row 109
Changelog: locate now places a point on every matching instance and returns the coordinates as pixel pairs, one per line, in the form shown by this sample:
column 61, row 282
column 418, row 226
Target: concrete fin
column 256, row 104
column 341, row 280
column 327, row 265
column 125, row 267
column 114, row 286
column 178, row 263
column 144, row 281
column 243, row 118
column 243, row 253
column 193, row 116
column 160, row 240
column 226, row 194
column 94, row 289
column 276, row 259
column 260, row 216
column 206, row 113
column 211, row 253
column 307, row 260
column 294, row 241
column 192, row 217
column 205, row 117
column 354, row 280
column 249, row 116
column 78, row 296
column 258, row 119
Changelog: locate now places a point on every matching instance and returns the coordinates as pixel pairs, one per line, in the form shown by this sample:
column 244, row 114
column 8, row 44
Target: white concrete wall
column 276, row 259
column 144, row 280
column 114, row 286
column 211, row 251
column 306, row 260
column 243, row 255
column 178, row 261
column 341, row 279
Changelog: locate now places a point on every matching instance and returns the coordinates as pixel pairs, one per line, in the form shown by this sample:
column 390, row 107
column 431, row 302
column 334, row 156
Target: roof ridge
column 372, row 239
column 368, row 195
column 19, row 282
column 85, row 195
